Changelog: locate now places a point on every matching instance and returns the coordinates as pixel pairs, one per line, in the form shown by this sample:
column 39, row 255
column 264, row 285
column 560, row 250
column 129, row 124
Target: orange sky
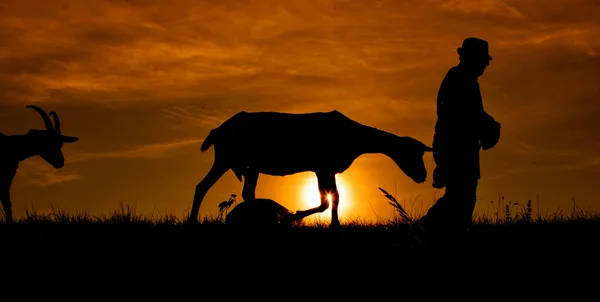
column 142, row 82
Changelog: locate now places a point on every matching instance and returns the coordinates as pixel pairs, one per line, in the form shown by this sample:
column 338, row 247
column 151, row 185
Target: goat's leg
column 250, row 183
column 7, row 207
column 326, row 186
column 217, row 170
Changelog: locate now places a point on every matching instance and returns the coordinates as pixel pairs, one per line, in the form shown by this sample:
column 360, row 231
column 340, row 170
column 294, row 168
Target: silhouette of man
column 462, row 128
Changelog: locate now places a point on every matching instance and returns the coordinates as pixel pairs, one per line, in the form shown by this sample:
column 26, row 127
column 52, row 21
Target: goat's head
column 49, row 142
column 409, row 158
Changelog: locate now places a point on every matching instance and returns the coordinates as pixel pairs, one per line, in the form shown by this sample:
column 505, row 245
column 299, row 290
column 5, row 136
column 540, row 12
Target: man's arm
column 489, row 134
column 453, row 106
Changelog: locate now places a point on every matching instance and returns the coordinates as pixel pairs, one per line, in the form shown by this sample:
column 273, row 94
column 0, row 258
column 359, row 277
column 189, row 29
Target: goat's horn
column 45, row 117
column 56, row 121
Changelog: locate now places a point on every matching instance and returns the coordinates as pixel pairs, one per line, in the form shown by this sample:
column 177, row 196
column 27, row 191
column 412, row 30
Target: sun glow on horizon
column 310, row 198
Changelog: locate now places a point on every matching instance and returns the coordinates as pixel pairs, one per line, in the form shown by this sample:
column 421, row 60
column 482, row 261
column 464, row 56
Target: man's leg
column 464, row 194
column 454, row 209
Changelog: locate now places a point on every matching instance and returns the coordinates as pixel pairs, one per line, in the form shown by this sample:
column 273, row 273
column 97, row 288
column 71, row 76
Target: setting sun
column 310, row 198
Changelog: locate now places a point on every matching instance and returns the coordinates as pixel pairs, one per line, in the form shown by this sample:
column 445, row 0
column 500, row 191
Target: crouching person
column 259, row 213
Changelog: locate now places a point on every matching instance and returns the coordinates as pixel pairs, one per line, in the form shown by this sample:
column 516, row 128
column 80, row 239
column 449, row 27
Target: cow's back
column 287, row 143
column 316, row 127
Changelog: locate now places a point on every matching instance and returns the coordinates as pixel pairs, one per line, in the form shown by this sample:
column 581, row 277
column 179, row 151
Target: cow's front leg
column 329, row 193
column 335, row 201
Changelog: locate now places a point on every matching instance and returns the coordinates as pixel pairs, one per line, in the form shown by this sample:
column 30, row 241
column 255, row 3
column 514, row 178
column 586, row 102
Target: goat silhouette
column 16, row 148
column 280, row 144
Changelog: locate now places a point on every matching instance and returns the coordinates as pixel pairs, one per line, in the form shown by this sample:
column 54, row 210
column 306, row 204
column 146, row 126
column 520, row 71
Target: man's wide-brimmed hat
column 474, row 47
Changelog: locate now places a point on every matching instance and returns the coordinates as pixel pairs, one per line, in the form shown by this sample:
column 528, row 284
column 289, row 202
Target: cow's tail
column 209, row 141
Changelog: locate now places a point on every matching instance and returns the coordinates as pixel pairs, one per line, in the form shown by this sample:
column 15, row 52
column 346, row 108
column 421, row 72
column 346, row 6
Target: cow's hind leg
column 216, row 171
column 326, row 186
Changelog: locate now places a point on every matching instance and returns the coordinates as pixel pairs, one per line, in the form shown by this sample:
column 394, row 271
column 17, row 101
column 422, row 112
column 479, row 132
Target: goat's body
column 8, row 160
column 13, row 151
column 280, row 144
column 5, row 149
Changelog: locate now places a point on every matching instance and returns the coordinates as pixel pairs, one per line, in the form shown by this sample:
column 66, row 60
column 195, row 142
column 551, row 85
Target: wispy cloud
column 488, row 7
column 38, row 173
column 141, row 151
column 54, row 178
column 592, row 162
column 197, row 116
